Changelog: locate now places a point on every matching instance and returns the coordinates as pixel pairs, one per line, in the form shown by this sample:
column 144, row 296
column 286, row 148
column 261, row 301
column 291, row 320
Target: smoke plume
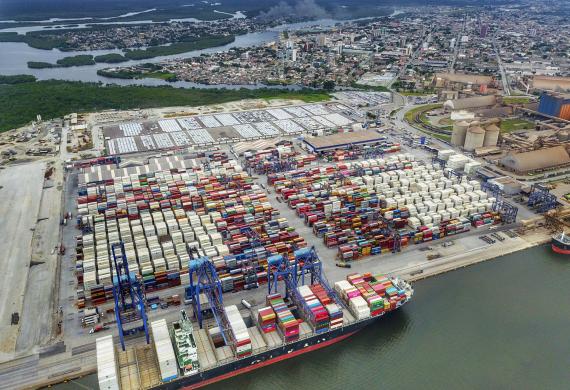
column 305, row 9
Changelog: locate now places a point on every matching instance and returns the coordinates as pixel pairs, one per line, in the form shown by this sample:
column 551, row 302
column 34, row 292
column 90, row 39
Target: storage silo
column 474, row 139
column 459, row 133
column 491, row 135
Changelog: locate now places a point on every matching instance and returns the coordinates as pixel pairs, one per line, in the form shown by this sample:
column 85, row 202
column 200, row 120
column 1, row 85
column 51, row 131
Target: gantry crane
column 129, row 296
column 306, row 262
column 204, row 281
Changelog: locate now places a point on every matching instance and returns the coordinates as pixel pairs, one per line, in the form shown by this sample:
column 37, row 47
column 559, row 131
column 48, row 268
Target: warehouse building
column 470, row 103
column 458, row 80
column 343, row 141
column 536, row 160
column 553, row 83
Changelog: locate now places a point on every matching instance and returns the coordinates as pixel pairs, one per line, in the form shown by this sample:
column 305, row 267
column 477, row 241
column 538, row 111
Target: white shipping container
column 164, row 351
column 107, row 370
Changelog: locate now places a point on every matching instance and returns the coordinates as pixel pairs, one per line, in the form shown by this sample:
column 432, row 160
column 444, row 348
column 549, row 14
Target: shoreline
column 70, row 367
column 446, row 264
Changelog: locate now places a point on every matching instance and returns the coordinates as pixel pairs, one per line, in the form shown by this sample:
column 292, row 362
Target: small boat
column 561, row 244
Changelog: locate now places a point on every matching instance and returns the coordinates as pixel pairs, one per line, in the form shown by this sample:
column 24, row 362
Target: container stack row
column 315, row 312
column 420, row 202
column 240, row 335
column 167, row 362
column 369, row 295
column 164, row 217
column 107, row 368
column 266, row 319
column 276, row 159
column 288, row 325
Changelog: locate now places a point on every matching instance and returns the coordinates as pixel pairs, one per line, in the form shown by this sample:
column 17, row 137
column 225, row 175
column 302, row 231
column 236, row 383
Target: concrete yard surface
column 20, row 195
column 36, row 317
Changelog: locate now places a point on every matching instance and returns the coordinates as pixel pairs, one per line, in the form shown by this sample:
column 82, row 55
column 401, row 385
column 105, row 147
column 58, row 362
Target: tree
column 328, row 85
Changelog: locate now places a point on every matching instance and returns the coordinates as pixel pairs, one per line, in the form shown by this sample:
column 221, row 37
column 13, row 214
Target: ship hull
column 266, row 358
column 560, row 247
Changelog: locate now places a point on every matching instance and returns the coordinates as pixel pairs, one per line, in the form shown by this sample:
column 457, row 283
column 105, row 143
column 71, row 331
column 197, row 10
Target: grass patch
column 442, row 137
column 373, row 88
column 509, row 125
column 58, row 98
column 410, row 115
column 516, row 99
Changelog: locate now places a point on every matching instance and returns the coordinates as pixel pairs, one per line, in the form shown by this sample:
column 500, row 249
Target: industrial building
column 343, row 141
column 551, row 83
column 536, row 160
column 459, row 81
column 555, row 104
column 470, row 103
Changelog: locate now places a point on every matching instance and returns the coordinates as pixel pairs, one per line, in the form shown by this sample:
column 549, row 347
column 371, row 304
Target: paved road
column 504, row 77
column 457, row 47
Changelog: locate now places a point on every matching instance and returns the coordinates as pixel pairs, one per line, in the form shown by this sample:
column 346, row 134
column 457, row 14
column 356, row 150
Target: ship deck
column 138, row 367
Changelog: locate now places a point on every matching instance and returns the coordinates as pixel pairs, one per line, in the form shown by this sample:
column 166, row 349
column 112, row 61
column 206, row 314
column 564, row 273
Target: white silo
column 474, row 139
column 459, row 133
column 491, row 135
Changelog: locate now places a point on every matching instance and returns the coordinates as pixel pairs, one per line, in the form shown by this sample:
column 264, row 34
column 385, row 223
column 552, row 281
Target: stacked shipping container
column 240, row 334
column 287, row 323
column 266, row 319
column 343, row 203
column 164, row 217
column 167, row 362
column 369, row 295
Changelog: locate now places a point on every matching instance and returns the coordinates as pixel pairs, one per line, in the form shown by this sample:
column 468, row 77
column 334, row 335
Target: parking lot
column 219, row 128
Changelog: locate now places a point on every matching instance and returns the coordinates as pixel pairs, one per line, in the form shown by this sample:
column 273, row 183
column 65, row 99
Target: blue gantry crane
column 204, row 281
column 129, row 296
column 541, row 199
column 436, row 160
column 306, row 262
column 508, row 211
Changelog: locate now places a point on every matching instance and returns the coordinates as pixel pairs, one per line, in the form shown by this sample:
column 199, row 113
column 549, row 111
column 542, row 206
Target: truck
column 98, row 328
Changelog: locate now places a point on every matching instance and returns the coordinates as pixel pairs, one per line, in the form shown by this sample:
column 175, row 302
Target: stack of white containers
column 107, row 370
column 164, row 350
column 359, row 307
column 239, row 331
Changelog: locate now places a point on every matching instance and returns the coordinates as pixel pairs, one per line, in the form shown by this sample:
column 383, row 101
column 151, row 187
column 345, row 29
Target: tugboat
column 561, row 244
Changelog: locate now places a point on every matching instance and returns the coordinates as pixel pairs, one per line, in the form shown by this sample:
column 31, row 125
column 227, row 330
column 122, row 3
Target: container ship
column 561, row 244
column 311, row 317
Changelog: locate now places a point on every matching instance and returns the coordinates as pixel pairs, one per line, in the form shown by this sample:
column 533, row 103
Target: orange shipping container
column 565, row 112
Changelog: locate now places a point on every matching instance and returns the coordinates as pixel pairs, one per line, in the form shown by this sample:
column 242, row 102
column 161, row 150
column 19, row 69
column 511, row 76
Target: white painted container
column 164, row 350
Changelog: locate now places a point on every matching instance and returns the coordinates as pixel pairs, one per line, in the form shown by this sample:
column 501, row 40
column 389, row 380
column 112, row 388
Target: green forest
column 20, row 103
